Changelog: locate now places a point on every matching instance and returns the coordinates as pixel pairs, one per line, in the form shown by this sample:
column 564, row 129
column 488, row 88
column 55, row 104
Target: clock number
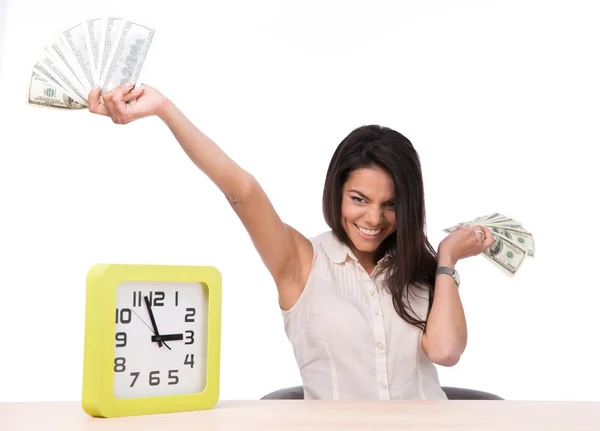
column 135, row 375
column 123, row 315
column 173, row 379
column 137, row 298
column 189, row 360
column 122, row 337
column 153, row 378
column 119, row 365
column 191, row 337
column 189, row 315
column 176, row 298
column 155, row 298
column 158, row 299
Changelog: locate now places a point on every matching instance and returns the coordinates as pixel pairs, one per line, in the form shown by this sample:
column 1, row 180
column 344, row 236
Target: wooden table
column 291, row 415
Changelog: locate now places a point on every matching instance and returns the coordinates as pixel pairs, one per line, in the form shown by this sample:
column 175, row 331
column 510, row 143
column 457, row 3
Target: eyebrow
column 362, row 195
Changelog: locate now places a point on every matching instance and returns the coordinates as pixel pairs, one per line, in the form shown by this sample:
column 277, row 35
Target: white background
column 500, row 98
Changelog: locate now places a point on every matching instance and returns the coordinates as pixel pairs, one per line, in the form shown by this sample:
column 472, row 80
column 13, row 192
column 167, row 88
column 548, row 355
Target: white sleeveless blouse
column 347, row 338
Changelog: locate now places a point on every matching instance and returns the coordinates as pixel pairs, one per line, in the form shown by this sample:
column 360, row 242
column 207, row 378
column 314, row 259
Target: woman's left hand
column 464, row 242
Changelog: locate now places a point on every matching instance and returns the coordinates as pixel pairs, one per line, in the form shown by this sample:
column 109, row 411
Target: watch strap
column 450, row 271
column 444, row 270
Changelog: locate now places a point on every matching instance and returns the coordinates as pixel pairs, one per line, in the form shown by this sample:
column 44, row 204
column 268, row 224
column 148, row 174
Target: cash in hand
column 513, row 243
column 105, row 52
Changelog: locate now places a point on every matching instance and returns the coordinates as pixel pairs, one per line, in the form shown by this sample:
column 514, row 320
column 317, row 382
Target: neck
column 368, row 260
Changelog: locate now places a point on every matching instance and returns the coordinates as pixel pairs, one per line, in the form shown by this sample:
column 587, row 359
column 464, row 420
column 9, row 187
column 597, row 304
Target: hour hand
column 167, row 337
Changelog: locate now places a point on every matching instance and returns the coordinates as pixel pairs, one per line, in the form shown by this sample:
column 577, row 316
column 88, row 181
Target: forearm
column 446, row 326
column 227, row 175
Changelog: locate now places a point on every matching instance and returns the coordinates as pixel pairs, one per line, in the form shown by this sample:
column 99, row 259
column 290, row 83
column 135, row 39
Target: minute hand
column 159, row 338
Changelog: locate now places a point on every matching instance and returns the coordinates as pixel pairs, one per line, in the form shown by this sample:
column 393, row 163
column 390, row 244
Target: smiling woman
column 363, row 306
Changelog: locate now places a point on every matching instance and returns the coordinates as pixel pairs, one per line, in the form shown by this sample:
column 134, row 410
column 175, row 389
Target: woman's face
column 368, row 209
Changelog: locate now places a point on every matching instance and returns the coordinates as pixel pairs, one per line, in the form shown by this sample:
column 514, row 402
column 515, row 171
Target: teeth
column 368, row 231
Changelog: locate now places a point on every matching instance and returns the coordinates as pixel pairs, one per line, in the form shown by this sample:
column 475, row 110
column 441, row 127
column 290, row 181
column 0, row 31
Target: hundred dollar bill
column 74, row 38
column 92, row 31
column 505, row 255
column 65, row 78
column 453, row 228
column 110, row 29
column 49, row 94
column 128, row 55
column 522, row 238
column 64, row 59
column 42, row 71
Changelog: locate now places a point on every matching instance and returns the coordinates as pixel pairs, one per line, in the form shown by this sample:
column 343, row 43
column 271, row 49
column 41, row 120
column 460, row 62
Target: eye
column 391, row 204
column 357, row 199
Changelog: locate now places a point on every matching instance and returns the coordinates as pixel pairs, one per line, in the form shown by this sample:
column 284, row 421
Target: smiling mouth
column 368, row 232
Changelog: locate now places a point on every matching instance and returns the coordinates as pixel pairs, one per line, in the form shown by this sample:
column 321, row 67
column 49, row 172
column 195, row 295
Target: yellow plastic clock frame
column 102, row 280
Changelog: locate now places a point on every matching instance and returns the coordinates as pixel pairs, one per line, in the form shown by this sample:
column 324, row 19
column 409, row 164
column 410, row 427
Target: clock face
column 148, row 366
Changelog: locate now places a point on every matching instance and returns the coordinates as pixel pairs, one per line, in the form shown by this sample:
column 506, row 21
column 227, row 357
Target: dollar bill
column 110, row 29
column 93, row 30
column 65, row 78
column 48, row 93
column 505, row 254
column 521, row 238
column 513, row 243
column 64, row 59
column 75, row 39
column 106, row 52
column 127, row 56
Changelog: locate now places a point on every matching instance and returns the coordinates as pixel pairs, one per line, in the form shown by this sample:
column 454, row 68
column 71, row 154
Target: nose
column 374, row 215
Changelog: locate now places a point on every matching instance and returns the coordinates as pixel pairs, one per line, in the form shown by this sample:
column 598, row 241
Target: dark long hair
column 413, row 260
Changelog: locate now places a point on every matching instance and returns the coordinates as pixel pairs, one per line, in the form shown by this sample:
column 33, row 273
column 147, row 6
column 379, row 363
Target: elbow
column 447, row 358
column 243, row 191
column 446, row 354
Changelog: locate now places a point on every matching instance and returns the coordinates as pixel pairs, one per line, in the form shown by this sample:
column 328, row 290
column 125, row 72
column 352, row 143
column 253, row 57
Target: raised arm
column 285, row 252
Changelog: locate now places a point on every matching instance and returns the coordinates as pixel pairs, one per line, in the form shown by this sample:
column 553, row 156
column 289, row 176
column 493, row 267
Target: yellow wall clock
column 152, row 339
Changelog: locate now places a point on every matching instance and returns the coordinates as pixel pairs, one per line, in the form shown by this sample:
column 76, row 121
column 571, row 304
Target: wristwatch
column 449, row 271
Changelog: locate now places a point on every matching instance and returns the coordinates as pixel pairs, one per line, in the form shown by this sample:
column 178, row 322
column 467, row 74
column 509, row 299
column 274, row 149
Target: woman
column 369, row 306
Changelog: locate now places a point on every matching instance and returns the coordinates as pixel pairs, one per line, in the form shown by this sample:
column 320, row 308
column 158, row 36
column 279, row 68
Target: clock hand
column 158, row 338
column 143, row 321
column 167, row 337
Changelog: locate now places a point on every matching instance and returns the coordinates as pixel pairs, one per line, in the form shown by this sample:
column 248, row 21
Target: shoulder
column 330, row 247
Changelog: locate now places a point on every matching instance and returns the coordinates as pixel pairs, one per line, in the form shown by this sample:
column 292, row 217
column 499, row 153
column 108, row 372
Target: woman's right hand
column 148, row 101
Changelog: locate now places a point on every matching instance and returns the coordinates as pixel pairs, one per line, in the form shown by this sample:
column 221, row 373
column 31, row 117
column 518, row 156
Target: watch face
column 173, row 363
column 456, row 278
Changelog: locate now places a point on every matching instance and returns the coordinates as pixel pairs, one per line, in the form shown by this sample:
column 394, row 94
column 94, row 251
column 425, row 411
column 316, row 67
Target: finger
column 489, row 237
column 94, row 104
column 124, row 89
column 118, row 104
column 108, row 101
column 120, row 110
column 480, row 233
column 115, row 95
column 133, row 94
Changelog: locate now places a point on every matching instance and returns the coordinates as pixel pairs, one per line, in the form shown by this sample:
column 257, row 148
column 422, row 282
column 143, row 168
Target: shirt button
column 380, row 346
column 372, row 292
column 376, row 312
column 382, row 385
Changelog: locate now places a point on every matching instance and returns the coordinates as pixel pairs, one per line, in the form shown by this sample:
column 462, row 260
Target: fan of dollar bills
column 105, row 52
column 513, row 243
